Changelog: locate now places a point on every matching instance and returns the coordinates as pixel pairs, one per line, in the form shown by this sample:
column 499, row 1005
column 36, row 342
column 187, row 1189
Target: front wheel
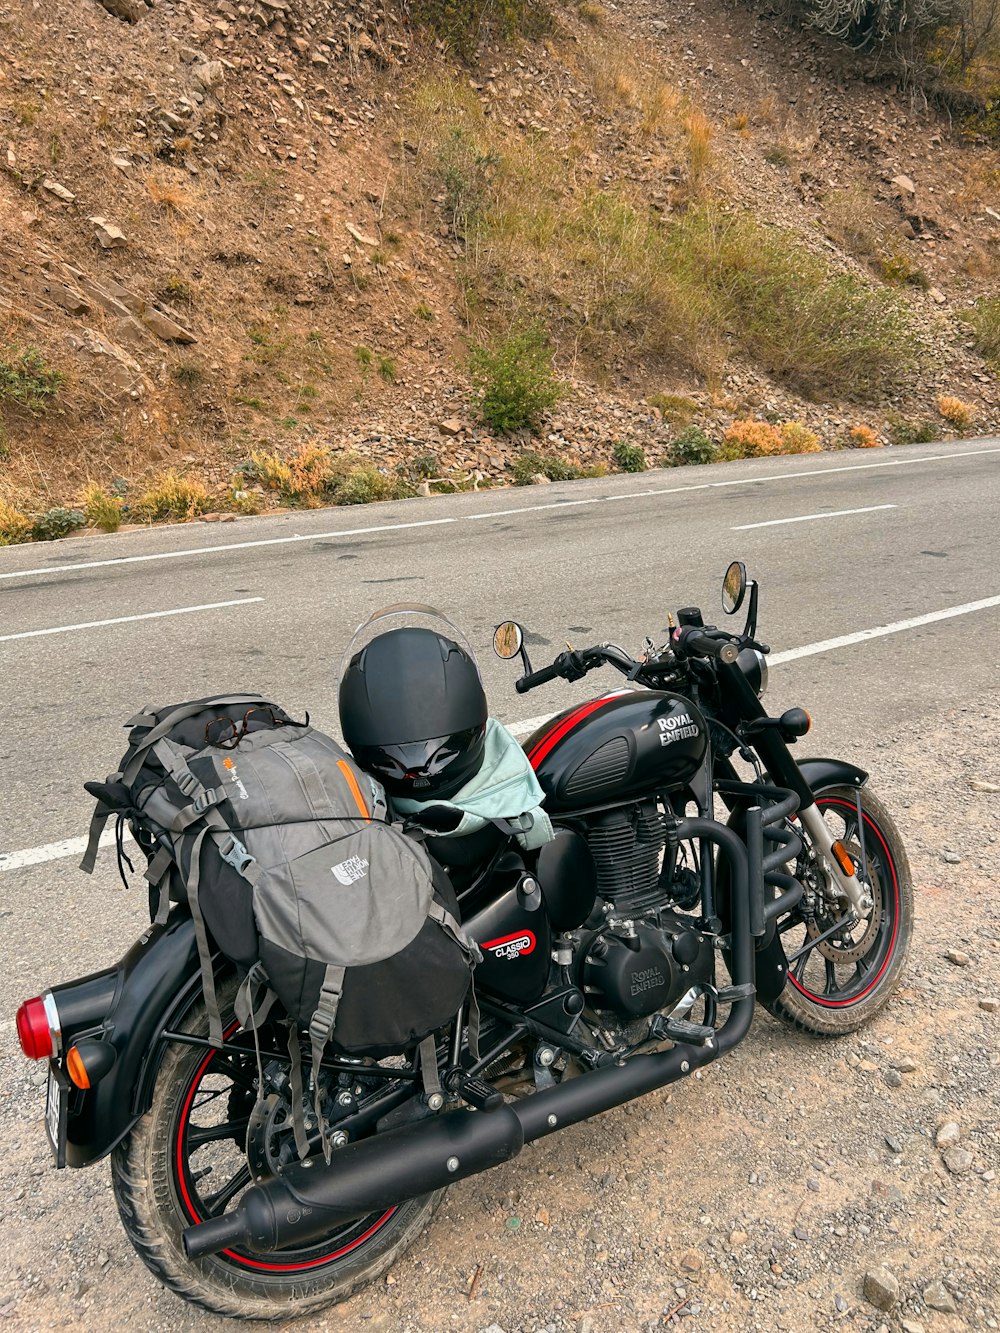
column 839, row 979
column 187, row 1160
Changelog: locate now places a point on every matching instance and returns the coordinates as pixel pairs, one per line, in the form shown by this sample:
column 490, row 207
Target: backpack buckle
column 235, row 854
column 187, row 782
column 206, row 798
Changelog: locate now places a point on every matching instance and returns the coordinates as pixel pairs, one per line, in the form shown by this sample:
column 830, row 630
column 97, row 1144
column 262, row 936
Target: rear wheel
column 186, row 1161
column 838, row 979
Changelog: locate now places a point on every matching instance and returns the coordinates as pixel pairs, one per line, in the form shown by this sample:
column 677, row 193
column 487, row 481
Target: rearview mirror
column 734, row 587
column 508, row 640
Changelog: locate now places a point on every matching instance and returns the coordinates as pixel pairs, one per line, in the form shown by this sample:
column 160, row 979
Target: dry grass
column 167, row 194
column 15, row 527
column 170, row 496
column 101, row 509
column 760, row 439
column 956, row 412
column 863, row 437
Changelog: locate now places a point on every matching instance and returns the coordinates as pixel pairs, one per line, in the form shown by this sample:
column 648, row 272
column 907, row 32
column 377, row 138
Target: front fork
column 785, row 772
column 823, row 841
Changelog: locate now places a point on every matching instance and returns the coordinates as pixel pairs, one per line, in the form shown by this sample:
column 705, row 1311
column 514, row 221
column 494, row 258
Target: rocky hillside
column 249, row 244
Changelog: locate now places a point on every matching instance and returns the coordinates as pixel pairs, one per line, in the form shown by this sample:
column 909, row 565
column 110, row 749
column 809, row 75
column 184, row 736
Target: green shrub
column 515, row 379
column 691, row 446
column 818, row 330
column 26, row 380
column 984, row 321
column 459, row 23
column 363, row 484
column 899, row 268
column 904, row 431
column 56, row 523
column 530, row 464
column 387, row 369
column 628, row 457
column 674, row 407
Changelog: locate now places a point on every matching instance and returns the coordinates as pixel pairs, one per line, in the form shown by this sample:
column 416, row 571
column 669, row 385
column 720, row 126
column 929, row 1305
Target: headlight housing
column 753, row 664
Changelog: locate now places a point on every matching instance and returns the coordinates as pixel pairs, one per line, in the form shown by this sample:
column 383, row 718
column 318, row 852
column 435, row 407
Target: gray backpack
column 281, row 848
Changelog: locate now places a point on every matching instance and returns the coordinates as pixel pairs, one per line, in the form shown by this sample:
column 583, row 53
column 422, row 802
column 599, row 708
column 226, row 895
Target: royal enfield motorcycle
column 697, row 870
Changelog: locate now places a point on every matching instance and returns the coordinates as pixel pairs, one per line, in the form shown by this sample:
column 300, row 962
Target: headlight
column 753, row 664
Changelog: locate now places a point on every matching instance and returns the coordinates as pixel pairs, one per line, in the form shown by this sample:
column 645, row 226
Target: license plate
column 56, row 1109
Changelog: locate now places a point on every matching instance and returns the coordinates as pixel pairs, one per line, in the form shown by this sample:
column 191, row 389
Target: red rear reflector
column 33, row 1030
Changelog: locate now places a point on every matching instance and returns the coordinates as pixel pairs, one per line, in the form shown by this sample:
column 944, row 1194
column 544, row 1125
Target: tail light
column 38, row 1028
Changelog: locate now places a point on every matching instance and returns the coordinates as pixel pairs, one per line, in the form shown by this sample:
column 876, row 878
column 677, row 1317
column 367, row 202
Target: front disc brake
column 855, row 946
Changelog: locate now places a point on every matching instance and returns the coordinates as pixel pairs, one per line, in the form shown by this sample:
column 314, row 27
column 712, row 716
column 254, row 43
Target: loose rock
column 108, row 235
column 958, row 1160
column 949, row 1133
column 880, row 1288
column 958, row 957
column 938, row 1297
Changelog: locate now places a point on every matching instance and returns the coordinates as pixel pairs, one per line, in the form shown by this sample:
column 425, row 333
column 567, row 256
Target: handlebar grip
column 540, row 677
column 706, row 645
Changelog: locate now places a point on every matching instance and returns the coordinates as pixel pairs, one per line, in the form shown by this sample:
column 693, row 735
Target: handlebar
column 687, row 641
column 532, row 678
column 694, row 642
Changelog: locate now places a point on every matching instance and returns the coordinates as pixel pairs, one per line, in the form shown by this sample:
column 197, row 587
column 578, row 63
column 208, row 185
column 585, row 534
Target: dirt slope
column 220, row 224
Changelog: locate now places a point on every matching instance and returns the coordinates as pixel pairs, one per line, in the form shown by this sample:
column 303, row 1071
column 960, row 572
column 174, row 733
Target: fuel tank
column 616, row 747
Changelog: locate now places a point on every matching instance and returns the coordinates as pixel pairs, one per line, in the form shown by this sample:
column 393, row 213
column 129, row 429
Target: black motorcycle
column 627, row 953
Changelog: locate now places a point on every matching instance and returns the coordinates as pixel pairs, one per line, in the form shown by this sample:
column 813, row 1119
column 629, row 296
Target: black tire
column 870, row 966
column 158, row 1195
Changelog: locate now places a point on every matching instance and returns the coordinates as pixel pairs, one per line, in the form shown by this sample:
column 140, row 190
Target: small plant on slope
column 515, row 379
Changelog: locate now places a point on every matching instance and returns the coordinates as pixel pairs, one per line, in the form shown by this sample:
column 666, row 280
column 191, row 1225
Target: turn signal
column 33, row 1031
column 88, row 1061
column 843, row 858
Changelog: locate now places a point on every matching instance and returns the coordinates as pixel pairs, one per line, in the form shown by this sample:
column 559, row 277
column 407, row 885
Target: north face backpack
column 280, row 846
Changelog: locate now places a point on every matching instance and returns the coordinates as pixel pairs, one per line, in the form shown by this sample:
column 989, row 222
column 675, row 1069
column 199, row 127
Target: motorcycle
column 630, row 951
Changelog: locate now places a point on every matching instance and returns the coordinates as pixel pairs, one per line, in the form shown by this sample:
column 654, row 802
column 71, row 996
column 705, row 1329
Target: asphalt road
column 583, row 562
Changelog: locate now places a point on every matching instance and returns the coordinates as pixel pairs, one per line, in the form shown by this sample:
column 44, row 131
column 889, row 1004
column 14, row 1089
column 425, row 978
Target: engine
column 649, row 954
column 638, row 968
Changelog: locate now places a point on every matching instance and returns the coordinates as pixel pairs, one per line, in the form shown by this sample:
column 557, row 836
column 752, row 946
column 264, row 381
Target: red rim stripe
column 854, row 999
column 564, row 726
column 196, row 1216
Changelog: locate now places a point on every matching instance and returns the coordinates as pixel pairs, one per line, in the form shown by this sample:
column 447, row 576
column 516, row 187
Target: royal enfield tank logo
column 648, row 979
column 511, row 946
column 351, row 870
column 677, row 728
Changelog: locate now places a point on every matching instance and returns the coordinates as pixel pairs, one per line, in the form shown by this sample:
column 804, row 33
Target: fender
column 821, row 774
column 155, row 982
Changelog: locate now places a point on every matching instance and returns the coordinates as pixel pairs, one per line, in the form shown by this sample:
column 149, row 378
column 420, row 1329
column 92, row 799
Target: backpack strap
column 320, row 1031
column 201, row 936
column 429, row 1065
column 297, row 1092
column 99, row 819
column 158, row 875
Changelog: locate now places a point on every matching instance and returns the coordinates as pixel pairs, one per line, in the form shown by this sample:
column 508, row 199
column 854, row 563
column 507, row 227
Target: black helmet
column 413, row 712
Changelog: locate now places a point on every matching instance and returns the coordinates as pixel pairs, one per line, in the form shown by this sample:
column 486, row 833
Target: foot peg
column 729, row 994
column 480, row 1094
column 678, row 1029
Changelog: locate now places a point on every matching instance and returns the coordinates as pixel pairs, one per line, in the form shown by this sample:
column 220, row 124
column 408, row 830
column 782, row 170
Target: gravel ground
column 755, row 1197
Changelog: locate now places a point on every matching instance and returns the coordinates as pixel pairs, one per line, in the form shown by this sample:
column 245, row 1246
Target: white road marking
column 494, row 513
column 124, row 620
column 54, row 851
column 806, row 518
column 863, row 635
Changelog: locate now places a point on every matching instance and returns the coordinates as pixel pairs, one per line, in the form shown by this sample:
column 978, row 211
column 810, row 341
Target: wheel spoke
column 831, row 977
column 800, row 966
column 216, row 1203
column 198, row 1136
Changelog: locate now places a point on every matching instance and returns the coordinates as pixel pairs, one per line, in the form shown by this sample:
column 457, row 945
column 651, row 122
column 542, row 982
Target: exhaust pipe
column 309, row 1200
